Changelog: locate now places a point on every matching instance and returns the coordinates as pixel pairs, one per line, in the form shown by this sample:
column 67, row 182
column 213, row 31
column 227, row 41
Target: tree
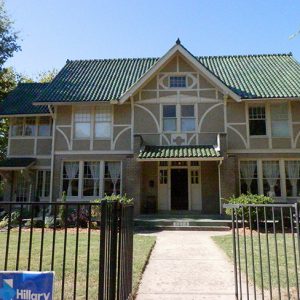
column 47, row 76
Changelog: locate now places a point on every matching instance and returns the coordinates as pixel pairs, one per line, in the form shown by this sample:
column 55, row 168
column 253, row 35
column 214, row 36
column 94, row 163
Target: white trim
column 151, row 114
column 118, row 136
column 52, row 154
column 93, row 152
column 261, row 151
column 69, row 143
column 239, row 134
column 159, row 64
column 205, row 114
column 132, row 123
column 180, row 159
column 31, row 156
column 24, row 115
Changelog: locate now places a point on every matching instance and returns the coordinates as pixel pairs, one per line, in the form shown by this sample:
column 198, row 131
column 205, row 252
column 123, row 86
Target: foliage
column 245, row 199
column 62, row 210
column 49, row 222
column 36, row 223
column 47, row 76
column 80, row 218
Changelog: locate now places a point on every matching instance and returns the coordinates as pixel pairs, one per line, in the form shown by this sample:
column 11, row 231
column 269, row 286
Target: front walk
column 187, row 265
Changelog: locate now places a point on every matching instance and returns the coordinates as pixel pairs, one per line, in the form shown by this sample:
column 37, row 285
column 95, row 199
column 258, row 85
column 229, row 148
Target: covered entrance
column 179, row 189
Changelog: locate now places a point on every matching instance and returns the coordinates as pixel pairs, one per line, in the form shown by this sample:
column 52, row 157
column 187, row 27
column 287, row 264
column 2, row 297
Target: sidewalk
column 187, row 265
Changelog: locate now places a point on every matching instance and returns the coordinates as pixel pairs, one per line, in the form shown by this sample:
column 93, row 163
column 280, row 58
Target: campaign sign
column 26, row 285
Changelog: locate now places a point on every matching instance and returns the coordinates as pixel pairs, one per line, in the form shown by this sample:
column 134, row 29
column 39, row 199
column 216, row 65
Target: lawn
column 225, row 242
column 142, row 248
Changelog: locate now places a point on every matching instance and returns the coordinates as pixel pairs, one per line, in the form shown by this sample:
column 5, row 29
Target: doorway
column 179, row 189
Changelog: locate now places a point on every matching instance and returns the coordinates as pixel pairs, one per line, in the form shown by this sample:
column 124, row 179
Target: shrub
column 248, row 199
column 62, row 210
column 82, row 219
column 35, row 223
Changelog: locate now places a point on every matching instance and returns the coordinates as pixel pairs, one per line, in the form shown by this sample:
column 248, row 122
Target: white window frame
column 50, row 126
column 44, row 177
column 81, row 178
column 286, row 119
column 255, row 119
column 106, row 109
column 24, row 124
column 176, row 80
column 178, row 117
column 82, row 111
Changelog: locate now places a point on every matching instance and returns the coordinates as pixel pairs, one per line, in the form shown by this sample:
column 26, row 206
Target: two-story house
column 181, row 131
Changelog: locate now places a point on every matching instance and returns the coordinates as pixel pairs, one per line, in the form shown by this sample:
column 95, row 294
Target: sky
column 52, row 31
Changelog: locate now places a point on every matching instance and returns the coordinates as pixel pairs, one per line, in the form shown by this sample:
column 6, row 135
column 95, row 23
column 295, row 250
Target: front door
column 179, row 189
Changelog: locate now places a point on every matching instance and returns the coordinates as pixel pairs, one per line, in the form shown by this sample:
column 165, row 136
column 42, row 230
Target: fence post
column 234, row 253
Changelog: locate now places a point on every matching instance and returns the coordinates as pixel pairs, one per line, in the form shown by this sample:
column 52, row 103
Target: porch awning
column 17, row 163
column 199, row 152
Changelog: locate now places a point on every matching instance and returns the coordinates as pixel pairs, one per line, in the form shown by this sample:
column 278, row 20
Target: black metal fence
column 266, row 250
column 88, row 245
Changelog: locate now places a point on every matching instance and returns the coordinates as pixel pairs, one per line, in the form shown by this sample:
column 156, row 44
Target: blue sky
column 52, row 31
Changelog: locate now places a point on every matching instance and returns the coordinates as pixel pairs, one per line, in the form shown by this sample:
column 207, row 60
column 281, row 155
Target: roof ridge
column 247, row 55
column 109, row 59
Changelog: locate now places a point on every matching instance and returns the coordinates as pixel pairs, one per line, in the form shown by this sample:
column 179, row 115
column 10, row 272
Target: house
column 180, row 132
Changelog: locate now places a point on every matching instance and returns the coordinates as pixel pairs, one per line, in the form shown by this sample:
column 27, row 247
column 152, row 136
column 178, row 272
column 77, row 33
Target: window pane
column 82, row 130
column 91, row 179
column 17, row 127
column 187, row 110
column 169, row 124
column 257, row 127
column 47, row 184
column 112, row 177
column 271, row 181
column 177, row 81
column 39, row 191
column 102, row 130
column 187, row 124
column 44, row 126
column 29, row 127
column 103, row 114
column 169, row 111
column 84, row 116
column 280, row 129
column 70, row 178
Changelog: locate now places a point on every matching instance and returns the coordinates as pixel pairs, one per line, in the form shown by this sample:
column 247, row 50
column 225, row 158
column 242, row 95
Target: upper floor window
column 103, row 120
column 257, row 120
column 23, row 127
column 44, row 128
column 179, row 118
column 101, row 117
column 177, row 81
column 280, row 120
column 82, row 124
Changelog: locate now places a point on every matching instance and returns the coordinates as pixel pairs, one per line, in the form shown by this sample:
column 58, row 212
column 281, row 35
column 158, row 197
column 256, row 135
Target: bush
column 35, row 223
column 82, row 219
column 62, row 210
column 248, row 199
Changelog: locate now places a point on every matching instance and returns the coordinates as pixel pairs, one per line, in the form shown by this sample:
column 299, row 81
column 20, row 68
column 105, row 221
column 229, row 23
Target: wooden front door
column 179, row 189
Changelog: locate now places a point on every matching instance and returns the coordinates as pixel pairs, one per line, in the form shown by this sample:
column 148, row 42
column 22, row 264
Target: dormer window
column 177, row 81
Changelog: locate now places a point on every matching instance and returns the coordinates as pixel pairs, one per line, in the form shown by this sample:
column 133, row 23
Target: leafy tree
column 47, row 76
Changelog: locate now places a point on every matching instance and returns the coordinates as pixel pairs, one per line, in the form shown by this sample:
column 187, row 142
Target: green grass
column 142, row 248
column 225, row 242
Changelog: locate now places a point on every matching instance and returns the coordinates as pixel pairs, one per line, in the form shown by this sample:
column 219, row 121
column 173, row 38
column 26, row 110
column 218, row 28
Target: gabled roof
column 178, row 152
column 20, row 100
column 248, row 76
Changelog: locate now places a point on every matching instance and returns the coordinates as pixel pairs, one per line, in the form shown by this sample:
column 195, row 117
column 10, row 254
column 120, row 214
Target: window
column 186, row 122
column 271, row 178
column 82, row 121
column 163, row 176
column 187, row 118
column 292, row 169
column 17, row 127
column 112, row 178
column 70, row 178
column 22, row 188
column 195, row 177
column 44, row 128
column 43, row 184
column 177, row 81
column 248, row 177
column 179, row 163
column 91, row 178
column 29, row 129
column 103, row 123
column 163, row 163
column 280, row 120
column 257, row 120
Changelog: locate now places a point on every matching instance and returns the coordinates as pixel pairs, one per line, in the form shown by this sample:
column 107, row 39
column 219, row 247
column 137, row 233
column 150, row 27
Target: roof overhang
column 178, row 48
column 181, row 159
column 16, row 164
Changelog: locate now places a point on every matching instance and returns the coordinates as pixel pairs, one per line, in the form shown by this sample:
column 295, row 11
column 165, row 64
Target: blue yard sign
column 26, row 285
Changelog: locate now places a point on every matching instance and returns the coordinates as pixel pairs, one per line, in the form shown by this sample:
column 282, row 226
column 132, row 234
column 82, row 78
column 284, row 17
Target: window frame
column 44, row 183
column 176, row 80
column 287, row 120
column 50, row 124
column 257, row 119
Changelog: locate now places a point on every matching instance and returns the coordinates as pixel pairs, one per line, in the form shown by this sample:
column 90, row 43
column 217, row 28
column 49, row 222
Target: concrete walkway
column 187, row 265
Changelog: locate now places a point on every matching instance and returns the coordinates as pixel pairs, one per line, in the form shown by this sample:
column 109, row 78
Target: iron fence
column 88, row 245
column 266, row 250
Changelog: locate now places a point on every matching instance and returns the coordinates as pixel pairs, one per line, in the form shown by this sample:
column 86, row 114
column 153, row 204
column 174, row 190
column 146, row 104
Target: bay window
column 178, row 118
column 248, row 177
column 91, row 179
column 257, row 120
column 292, row 168
column 280, row 120
column 112, row 177
column 271, row 178
column 82, row 124
column 70, row 178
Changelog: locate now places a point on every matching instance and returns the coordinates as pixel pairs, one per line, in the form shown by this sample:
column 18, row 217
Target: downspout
column 53, row 114
column 220, row 190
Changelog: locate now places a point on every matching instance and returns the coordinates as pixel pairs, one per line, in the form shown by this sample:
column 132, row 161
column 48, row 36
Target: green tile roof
column 249, row 76
column 176, row 152
column 18, row 162
column 19, row 101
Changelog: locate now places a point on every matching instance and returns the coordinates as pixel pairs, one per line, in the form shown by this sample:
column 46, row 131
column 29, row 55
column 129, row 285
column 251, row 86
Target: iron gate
column 88, row 245
column 265, row 249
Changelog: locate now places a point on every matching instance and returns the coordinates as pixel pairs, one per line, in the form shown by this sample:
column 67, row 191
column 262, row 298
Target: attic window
column 177, row 81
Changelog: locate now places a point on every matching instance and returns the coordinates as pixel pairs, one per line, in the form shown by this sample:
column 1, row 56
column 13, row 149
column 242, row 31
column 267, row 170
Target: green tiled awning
column 179, row 152
column 17, row 163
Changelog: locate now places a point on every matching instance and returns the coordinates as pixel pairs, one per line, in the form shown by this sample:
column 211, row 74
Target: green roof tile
column 157, row 152
column 19, row 101
column 18, row 162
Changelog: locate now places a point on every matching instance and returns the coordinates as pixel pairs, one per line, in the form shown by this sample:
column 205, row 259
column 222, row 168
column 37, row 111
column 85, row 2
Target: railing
column 265, row 250
column 88, row 245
